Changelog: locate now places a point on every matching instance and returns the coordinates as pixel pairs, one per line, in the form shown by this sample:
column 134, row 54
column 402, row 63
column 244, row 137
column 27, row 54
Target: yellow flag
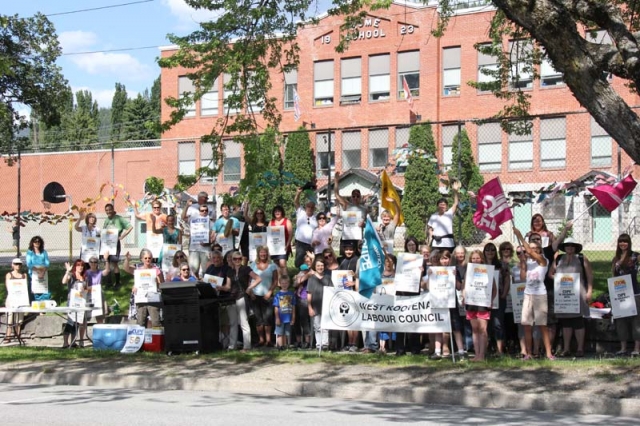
column 388, row 191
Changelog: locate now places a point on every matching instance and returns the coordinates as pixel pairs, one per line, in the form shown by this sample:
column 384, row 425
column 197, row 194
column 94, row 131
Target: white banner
column 145, row 282
column 155, row 243
column 478, row 286
column 517, row 297
column 17, row 293
column 442, row 286
column 623, row 303
column 256, row 239
column 342, row 279
column 109, row 242
column 566, row 293
column 387, row 287
column 39, row 285
column 90, row 248
column 95, row 296
column 200, row 230
column 408, row 272
column 348, row 310
column 351, row 229
column 135, row 339
column 276, row 240
column 168, row 251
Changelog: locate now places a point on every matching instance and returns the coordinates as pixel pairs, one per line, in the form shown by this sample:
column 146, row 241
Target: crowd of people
column 260, row 285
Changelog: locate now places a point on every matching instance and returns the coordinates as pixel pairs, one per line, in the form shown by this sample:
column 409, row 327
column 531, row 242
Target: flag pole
column 586, row 210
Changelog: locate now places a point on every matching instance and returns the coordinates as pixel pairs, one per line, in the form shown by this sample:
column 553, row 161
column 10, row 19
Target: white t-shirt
column 442, row 225
column 305, row 226
column 535, row 278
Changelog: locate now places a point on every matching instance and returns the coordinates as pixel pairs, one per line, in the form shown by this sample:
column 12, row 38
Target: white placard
column 623, row 302
column 90, row 248
column 95, row 296
column 517, row 297
column 442, row 286
column 351, row 229
column 348, row 310
column 566, row 293
column 225, row 242
column 276, row 240
column 408, row 272
column 387, row 287
column 135, row 339
column 387, row 246
column 17, row 293
column 478, row 285
column 144, row 280
column 214, row 280
column 39, row 285
column 78, row 299
column 200, row 230
column 256, row 239
column 168, row 251
column 342, row 279
column 109, row 241
column 155, row 243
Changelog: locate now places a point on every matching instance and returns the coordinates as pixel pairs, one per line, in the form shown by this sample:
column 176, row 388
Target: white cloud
column 103, row 96
column 76, row 41
column 188, row 17
column 122, row 65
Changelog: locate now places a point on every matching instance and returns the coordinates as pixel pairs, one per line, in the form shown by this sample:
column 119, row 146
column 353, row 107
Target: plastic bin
column 153, row 340
column 109, row 336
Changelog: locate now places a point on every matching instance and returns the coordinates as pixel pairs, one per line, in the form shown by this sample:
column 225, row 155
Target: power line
column 99, row 8
column 124, row 49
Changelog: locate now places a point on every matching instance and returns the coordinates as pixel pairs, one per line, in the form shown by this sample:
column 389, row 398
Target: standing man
column 306, row 223
column 440, row 224
column 225, row 229
column 356, row 203
column 193, row 210
column 117, row 222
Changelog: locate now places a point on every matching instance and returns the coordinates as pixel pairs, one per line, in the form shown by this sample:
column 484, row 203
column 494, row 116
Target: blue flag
column 371, row 261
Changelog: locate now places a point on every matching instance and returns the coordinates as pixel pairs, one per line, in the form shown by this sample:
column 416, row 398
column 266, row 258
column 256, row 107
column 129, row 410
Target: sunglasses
column 236, row 258
column 156, row 207
column 328, row 256
column 322, row 218
column 185, row 269
column 204, row 211
column 93, row 261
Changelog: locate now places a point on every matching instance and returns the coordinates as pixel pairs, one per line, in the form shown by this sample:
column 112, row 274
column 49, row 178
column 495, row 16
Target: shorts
column 284, row 329
column 280, row 257
column 534, row 309
column 456, row 320
column 576, row 323
column 479, row 315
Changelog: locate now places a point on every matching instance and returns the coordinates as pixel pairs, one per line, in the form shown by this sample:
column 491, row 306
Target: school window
column 185, row 85
column 600, row 146
column 255, row 98
column 323, row 83
column 229, row 92
column 206, row 159
column 231, row 165
column 325, row 154
column 409, row 69
column 548, row 74
column 290, row 86
column 520, row 52
column 350, row 81
column 553, row 143
column 209, row 101
column 520, row 152
column 378, row 148
column 186, row 158
column 451, row 71
column 487, row 67
column 489, row 147
column 379, row 78
column 351, row 150
column 402, row 141
column 449, row 134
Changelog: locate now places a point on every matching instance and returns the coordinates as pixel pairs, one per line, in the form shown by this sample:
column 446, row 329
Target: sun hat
column 17, row 261
column 571, row 242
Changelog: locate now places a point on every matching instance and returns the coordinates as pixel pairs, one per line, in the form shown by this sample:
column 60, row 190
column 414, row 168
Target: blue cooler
column 109, row 336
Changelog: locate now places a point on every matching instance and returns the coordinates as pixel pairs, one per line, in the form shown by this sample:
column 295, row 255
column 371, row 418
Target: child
column 284, row 309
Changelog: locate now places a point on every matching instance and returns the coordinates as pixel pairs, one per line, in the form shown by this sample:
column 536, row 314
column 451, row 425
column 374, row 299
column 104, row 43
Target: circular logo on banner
column 342, row 309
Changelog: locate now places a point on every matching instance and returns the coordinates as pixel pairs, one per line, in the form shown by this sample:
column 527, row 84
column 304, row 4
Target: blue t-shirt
column 267, row 278
column 285, row 301
column 221, row 223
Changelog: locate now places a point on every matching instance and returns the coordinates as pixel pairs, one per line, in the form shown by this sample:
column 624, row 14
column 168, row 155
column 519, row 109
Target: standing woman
column 90, row 228
column 256, row 222
column 626, row 262
column 479, row 316
column 93, row 277
column 144, row 309
column 413, row 339
column 460, row 262
column 505, row 251
column 533, row 269
column 315, row 291
column 239, row 277
column 260, row 293
column 321, row 236
column 497, row 315
column 74, row 279
column 279, row 219
column 38, row 263
column 539, row 226
column 14, row 274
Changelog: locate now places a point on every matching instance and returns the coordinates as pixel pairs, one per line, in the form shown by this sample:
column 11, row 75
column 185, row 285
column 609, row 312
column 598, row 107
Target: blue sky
column 136, row 25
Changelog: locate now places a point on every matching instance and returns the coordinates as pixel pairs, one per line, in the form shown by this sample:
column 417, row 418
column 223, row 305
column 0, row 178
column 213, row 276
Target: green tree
column 421, row 191
column 261, row 182
column 465, row 169
column 81, row 127
column 138, row 119
column 104, row 126
column 56, row 137
column 155, row 103
column 297, row 167
column 118, row 105
column 29, row 75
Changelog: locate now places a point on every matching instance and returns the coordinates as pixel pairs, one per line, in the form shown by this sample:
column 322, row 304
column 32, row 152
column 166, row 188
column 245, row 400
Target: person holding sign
column 388, row 224
column 170, row 234
column 15, row 274
column 564, row 270
column 37, row 265
column 497, row 312
column 260, row 293
column 74, row 279
column 354, row 204
column 93, row 277
column 538, row 226
column 201, row 236
column 321, row 238
column 533, row 269
column 156, row 221
column 226, row 229
column 147, row 278
column 116, row 228
column 440, row 224
column 90, row 231
column 257, row 223
column 279, row 219
column 625, row 262
column 306, row 223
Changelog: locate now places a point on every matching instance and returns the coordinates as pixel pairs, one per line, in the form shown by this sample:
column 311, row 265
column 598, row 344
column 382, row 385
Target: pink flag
column 407, row 92
column 611, row 196
column 493, row 208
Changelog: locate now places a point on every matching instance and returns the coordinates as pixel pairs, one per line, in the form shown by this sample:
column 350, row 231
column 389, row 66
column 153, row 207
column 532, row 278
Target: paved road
column 78, row 405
